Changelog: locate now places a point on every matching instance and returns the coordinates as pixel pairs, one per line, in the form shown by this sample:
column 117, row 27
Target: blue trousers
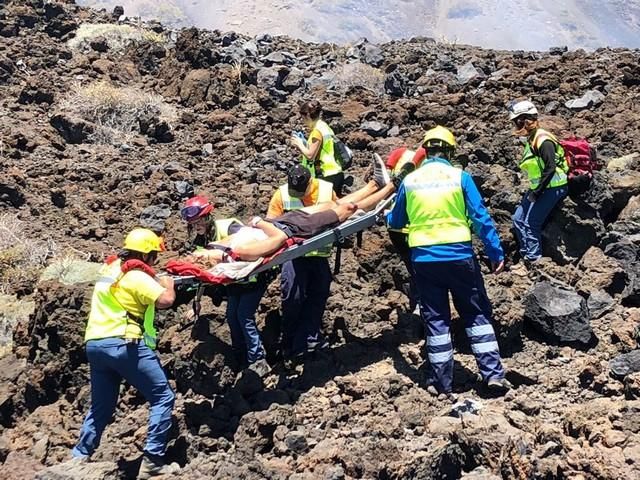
column 463, row 279
column 305, row 284
column 529, row 218
column 242, row 304
column 111, row 360
column 400, row 242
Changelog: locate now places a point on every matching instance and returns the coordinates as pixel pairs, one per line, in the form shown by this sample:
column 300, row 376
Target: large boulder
column 625, row 364
column 558, row 312
column 195, row 86
column 631, row 294
column 591, row 98
column 468, row 72
column 571, row 230
column 270, row 77
column 600, row 273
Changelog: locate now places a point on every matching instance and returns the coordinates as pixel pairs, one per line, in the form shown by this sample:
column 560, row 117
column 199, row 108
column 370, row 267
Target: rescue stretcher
column 336, row 235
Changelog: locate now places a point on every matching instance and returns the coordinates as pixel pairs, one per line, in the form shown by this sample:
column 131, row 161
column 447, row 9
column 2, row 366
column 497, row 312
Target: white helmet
column 524, row 107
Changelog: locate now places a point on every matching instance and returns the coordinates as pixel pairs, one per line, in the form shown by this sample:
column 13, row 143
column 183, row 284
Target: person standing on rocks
column 243, row 298
column 317, row 151
column 305, row 281
column 120, row 342
column 546, row 168
column 399, row 160
column 439, row 202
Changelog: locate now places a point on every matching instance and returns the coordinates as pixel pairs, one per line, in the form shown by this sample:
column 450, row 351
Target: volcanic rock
column 558, row 312
column 625, row 364
column 591, row 98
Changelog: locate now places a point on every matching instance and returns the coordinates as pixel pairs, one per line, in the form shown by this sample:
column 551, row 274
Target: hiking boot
column 260, row 367
column 153, row 466
column 499, row 385
column 380, row 173
column 320, row 344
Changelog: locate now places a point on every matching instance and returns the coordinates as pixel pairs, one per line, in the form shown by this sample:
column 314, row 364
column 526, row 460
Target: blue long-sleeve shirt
column 476, row 212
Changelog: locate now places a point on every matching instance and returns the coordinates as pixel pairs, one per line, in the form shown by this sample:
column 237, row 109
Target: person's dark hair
column 125, row 255
column 440, row 151
column 311, row 109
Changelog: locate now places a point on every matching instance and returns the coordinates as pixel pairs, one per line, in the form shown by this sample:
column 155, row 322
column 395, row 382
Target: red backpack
column 581, row 157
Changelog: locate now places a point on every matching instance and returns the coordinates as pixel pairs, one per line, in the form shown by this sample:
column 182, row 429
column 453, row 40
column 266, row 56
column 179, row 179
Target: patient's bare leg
column 360, row 194
column 254, row 250
column 371, row 201
column 344, row 211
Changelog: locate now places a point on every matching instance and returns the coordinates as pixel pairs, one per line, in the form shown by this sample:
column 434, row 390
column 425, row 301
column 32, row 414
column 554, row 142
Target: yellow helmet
column 439, row 136
column 143, row 240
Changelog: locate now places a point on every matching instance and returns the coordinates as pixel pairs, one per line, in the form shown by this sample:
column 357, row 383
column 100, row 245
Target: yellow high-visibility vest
column 435, row 205
column 328, row 163
column 108, row 318
column 533, row 165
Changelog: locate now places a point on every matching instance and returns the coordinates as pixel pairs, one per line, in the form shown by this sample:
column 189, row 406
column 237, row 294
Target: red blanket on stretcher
column 187, row 269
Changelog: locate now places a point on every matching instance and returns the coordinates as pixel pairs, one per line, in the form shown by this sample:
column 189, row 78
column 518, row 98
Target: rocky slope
column 103, row 127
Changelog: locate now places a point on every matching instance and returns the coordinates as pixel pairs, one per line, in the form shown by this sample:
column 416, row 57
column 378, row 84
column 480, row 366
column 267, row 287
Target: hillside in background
column 501, row 24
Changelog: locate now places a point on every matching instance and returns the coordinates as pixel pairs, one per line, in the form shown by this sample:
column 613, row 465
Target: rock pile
column 218, row 111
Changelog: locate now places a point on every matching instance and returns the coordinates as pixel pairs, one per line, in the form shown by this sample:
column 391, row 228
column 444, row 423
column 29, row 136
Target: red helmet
column 195, row 208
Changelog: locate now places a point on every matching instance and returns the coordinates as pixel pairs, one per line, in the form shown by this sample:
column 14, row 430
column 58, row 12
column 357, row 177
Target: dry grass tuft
column 117, row 112
column 21, row 257
column 117, row 37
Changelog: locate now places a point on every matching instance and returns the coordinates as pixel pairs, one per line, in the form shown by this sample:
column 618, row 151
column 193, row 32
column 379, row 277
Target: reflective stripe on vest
column 108, row 318
column 222, row 227
column 435, row 205
column 328, row 164
column 533, row 165
column 325, row 195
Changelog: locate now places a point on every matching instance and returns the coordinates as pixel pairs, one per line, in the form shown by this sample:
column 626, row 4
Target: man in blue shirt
column 440, row 202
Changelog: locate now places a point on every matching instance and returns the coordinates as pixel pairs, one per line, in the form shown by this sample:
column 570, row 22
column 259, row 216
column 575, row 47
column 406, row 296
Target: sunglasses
column 519, row 122
column 191, row 214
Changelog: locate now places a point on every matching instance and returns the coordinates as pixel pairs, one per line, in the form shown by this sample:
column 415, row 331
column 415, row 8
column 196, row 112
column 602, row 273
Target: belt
column 134, row 341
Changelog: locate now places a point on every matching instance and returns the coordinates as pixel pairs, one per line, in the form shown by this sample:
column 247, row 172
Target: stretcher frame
column 337, row 234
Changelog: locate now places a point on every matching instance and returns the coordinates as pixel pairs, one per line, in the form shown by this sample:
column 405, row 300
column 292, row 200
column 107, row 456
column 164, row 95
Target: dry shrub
column 117, row 112
column 358, row 74
column 117, row 37
column 21, row 257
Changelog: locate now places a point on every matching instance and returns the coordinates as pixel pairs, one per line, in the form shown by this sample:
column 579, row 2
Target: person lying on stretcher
column 265, row 237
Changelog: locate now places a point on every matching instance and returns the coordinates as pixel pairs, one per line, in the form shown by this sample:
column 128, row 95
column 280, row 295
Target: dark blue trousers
column 464, row 280
column 111, row 360
column 305, row 284
column 242, row 304
column 529, row 218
